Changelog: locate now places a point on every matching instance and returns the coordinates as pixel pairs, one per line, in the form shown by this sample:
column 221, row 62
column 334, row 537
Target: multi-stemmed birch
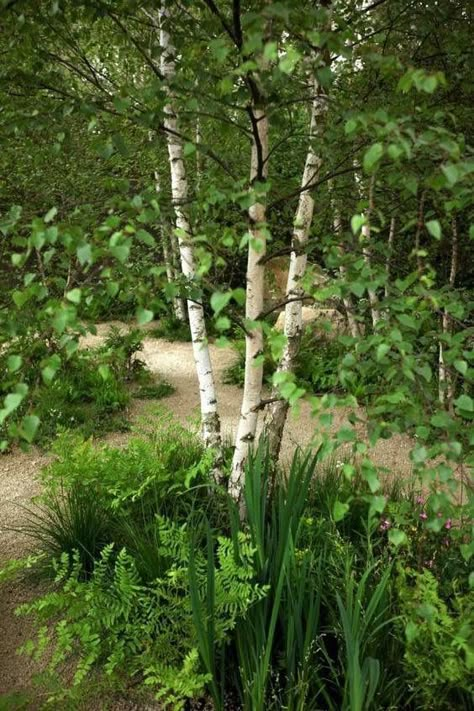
column 278, row 409
column 254, row 302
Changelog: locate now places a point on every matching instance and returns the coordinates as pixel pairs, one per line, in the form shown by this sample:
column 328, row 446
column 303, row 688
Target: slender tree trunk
column 354, row 328
column 179, row 187
column 446, row 385
column 366, row 240
column 179, row 309
column 253, row 306
column 419, row 227
column 199, row 161
column 388, row 261
column 278, row 410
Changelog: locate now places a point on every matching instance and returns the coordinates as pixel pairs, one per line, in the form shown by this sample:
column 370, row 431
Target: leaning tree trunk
column 278, row 409
column 210, row 422
column 167, row 245
column 253, row 379
column 446, row 386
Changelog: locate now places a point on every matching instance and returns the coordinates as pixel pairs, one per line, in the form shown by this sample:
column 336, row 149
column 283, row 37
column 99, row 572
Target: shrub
column 292, row 607
column 439, row 653
column 91, row 389
column 172, row 329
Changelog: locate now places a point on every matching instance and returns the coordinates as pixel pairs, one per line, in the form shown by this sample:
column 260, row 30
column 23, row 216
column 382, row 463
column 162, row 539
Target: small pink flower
column 448, row 524
column 420, row 501
column 423, row 516
column 385, row 525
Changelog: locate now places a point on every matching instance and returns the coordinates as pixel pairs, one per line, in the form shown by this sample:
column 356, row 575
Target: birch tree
column 254, row 299
column 210, row 422
column 168, row 242
column 446, row 386
column 278, row 409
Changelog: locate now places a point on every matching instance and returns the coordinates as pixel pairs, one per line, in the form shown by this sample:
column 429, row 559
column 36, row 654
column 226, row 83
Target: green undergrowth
column 317, row 366
column 157, row 584
column 91, row 390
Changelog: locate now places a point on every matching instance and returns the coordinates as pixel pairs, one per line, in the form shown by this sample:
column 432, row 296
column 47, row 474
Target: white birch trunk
column 278, row 410
column 210, row 422
column 169, row 258
column 253, row 309
column 388, row 262
column 445, row 380
column 366, row 239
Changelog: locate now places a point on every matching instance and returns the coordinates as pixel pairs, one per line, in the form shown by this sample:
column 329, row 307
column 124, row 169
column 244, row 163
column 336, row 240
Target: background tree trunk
column 445, row 379
column 169, row 257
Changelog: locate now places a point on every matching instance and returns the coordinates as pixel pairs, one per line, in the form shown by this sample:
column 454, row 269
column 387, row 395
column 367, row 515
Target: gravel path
column 18, row 470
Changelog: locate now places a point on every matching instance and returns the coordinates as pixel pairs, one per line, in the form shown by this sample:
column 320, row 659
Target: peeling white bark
column 210, row 422
column 278, row 410
column 253, row 309
column 169, row 258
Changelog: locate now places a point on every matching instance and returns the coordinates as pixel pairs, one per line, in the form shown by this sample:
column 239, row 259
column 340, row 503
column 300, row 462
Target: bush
column 296, row 606
column 317, row 368
column 90, row 391
column 439, row 653
column 172, row 329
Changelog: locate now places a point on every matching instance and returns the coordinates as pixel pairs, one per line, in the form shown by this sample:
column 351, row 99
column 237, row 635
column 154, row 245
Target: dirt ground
column 19, row 484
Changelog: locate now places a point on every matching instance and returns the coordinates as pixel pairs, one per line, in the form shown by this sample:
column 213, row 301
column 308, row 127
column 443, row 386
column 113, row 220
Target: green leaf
column 14, row 363
column 144, row 316
column 411, row 631
column 219, row 300
column 461, row 366
column 419, row 454
column 408, row 321
column 74, row 296
column 397, row 537
column 289, row 61
column 464, row 402
column 339, row 510
column 51, row 214
column 112, row 288
column 441, row 419
column 434, row 228
column 120, row 252
column 350, row 126
column 84, row 254
column 451, row 172
column 145, row 237
column 372, row 157
column 10, row 403
column 29, row 427
column 356, row 223
column 357, row 288
column 189, row 149
column 104, row 372
column 382, row 351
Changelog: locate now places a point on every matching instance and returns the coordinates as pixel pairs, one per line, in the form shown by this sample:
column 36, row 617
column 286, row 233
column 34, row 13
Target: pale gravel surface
column 18, row 483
